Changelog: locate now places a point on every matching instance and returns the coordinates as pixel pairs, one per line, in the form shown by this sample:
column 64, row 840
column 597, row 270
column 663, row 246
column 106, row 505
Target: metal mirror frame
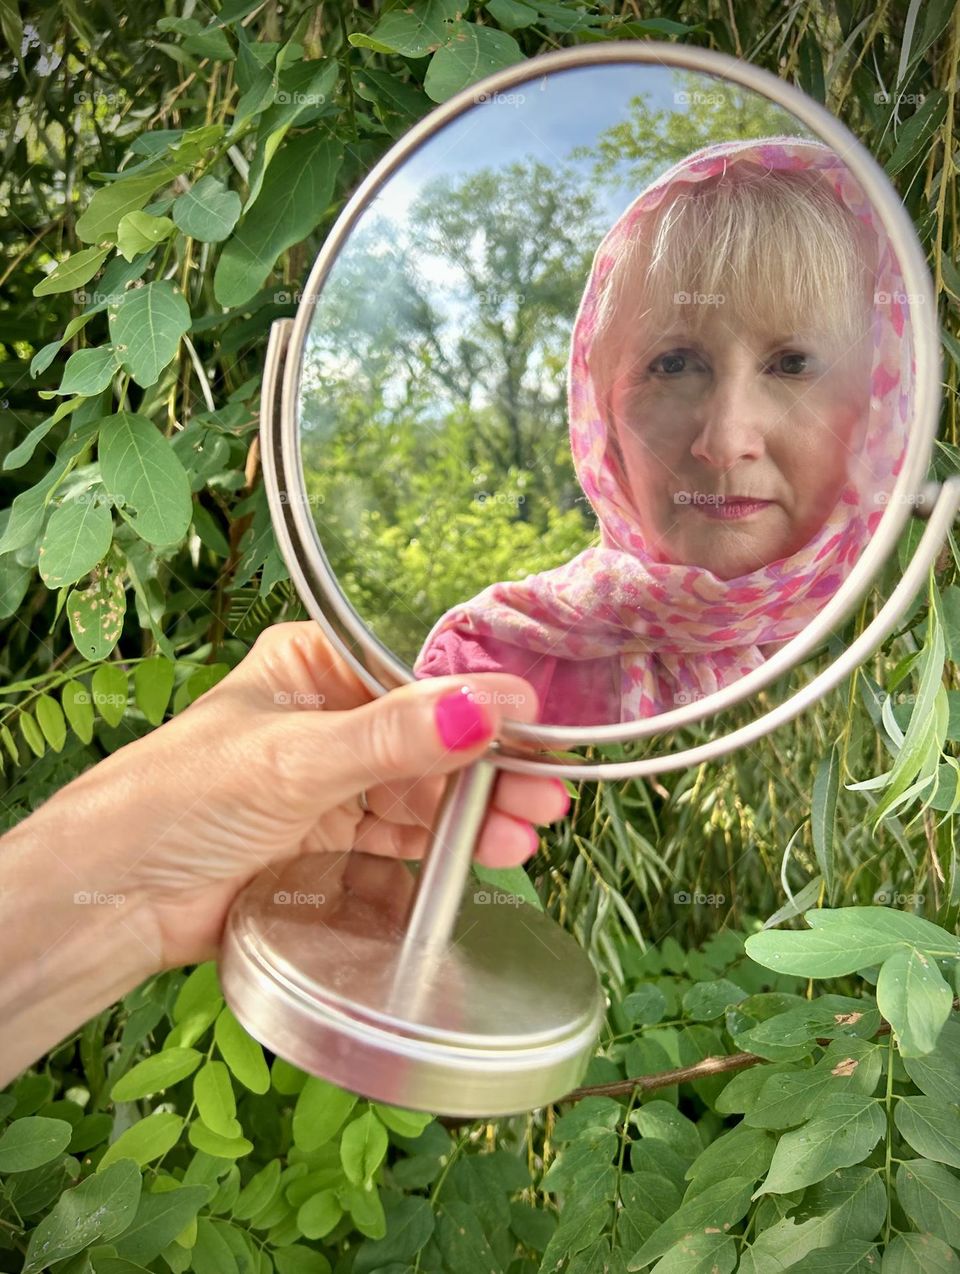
column 911, row 496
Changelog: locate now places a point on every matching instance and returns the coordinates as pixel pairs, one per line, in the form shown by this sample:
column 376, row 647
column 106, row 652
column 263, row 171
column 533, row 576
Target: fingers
column 415, row 801
column 424, row 729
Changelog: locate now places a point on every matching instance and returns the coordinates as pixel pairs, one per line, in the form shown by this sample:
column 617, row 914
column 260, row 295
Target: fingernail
column 461, row 722
column 559, row 783
column 534, row 838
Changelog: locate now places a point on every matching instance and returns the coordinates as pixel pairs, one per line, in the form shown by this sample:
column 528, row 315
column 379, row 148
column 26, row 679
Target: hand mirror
column 619, row 372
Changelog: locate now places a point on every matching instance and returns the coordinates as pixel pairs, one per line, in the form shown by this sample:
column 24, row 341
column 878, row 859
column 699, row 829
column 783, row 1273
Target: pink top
column 616, row 634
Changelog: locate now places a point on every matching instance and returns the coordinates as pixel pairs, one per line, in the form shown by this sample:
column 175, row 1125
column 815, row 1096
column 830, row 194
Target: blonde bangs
column 777, row 250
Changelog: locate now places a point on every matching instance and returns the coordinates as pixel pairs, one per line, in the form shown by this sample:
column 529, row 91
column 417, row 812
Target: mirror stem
column 443, row 873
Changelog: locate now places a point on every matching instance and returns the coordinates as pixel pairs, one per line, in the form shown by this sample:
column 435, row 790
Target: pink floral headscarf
column 679, row 632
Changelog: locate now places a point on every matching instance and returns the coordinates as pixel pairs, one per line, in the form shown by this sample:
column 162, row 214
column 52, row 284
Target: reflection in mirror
column 606, row 388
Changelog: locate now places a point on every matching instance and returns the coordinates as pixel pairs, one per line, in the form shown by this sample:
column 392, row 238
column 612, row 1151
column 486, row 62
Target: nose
column 735, row 418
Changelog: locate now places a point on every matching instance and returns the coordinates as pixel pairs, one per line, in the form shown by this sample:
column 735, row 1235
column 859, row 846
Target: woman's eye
column 791, row 363
column 674, row 362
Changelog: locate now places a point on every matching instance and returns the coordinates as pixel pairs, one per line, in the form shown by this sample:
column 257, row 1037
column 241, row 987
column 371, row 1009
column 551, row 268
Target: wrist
column 71, row 941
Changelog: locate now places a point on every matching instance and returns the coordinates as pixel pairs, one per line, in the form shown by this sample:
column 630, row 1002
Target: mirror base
column 313, row 964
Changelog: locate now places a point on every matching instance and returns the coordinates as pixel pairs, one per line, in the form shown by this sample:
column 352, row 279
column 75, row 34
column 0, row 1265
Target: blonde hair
column 778, row 247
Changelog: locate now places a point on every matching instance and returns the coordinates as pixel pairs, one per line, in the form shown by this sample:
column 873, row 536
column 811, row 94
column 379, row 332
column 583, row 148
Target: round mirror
column 619, row 373
column 611, row 380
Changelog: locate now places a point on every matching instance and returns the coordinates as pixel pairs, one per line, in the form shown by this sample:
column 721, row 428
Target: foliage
column 166, row 181
column 730, row 1119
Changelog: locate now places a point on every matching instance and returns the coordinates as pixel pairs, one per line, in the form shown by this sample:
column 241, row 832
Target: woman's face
column 735, row 445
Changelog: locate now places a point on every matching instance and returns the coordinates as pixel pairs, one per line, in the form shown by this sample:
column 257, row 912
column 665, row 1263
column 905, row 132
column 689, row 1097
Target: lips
column 735, row 506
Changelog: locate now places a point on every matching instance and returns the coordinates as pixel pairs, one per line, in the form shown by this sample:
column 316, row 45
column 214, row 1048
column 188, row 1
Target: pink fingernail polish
column 566, row 796
column 461, row 721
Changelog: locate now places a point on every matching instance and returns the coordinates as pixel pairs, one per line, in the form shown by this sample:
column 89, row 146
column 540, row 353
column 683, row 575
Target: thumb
column 430, row 726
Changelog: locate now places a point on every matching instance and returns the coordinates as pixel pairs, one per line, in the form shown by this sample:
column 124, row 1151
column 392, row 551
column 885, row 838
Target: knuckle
column 387, row 749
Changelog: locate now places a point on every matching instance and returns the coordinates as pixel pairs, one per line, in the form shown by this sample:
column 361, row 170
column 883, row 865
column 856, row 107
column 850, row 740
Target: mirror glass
column 607, row 387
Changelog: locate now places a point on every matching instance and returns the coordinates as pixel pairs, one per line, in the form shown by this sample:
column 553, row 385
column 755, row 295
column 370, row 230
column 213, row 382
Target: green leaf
column 156, row 1073
column 76, row 538
column 212, row 1143
column 243, row 1055
column 408, row 1123
column 98, row 1209
column 208, row 211
column 146, row 1140
column 297, row 1259
column 705, row 1001
column 410, row 1223
column 930, row 1128
column 109, row 687
column 160, row 1218
column 930, row 1195
column 823, row 816
column 146, row 326
column 30, row 1143
column 702, row 1253
column 909, row 1253
column 200, row 993
column 645, row 1006
column 143, row 475
column 843, row 1132
column 96, row 613
column 317, row 1217
column 77, row 269
column 259, row 1192
column 363, row 1145
column 87, row 372
column 213, row 1093
column 915, row 999
column 320, row 1112
column 153, row 685
column 32, row 734
column 51, row 721
column 789, row 1098
column 471, row 53
column 414, row 31
column 914, row 135
column 751, row 1149
column 138, row 232
column 845, row 940
column 113, row 202
column 303, row 174
column 850, row 1204
column 714, row 1209
column 937, row 1074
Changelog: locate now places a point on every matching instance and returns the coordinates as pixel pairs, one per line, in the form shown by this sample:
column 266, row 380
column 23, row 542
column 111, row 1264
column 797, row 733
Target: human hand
column 270, row 763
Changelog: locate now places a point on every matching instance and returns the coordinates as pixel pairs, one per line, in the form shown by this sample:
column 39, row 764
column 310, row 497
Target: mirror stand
column 423, row 991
